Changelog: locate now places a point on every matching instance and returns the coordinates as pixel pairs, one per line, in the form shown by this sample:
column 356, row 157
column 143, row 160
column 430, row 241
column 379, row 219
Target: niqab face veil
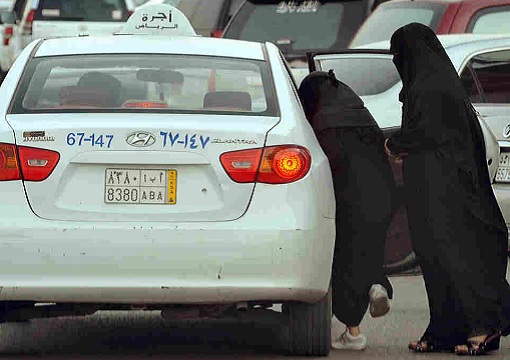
column 418, row 54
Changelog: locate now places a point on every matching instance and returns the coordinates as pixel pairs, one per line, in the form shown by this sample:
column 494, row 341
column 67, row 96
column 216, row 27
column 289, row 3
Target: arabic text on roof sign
column 150, row 22
column 291, row 7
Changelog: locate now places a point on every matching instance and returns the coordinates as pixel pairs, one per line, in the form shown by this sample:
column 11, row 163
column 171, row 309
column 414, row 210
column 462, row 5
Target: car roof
column 430, row 1
column 147, row 44
column 448, row 41
column 482, row 3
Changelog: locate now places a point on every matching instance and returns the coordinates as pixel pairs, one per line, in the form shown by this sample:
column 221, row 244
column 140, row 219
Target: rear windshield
column 148, row 83
column 389, row 17
column 298, row 26
column 80, row 10
column 491, row 21
column 379, row 74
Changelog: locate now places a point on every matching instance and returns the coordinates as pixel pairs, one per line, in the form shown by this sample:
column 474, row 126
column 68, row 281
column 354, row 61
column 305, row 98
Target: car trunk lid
column 111, row 169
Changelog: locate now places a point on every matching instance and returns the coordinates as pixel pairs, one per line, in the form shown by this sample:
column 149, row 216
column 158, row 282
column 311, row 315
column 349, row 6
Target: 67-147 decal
column 83, row 139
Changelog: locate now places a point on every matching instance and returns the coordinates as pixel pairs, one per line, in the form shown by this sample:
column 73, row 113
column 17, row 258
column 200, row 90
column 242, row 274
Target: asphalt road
column 144, row 335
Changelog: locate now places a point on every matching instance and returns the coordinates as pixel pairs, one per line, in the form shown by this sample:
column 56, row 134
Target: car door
column 372, row 75
column 487, row 78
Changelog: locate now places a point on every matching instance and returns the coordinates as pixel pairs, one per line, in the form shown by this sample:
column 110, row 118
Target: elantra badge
column 141, row 139
column 506, row 132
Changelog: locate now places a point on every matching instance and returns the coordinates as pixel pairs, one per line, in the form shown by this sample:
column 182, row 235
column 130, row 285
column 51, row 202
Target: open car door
column 372, row 75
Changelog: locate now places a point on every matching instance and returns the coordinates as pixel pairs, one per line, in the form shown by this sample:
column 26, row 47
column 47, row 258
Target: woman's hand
column 394, row 159
column 388, row 151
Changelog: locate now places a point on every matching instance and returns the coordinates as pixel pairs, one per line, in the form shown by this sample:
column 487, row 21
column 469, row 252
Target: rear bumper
column 178, row 264
column 273, row 253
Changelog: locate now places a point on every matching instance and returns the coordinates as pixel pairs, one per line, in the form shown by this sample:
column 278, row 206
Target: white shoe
column 348, row 342
column 379, row 301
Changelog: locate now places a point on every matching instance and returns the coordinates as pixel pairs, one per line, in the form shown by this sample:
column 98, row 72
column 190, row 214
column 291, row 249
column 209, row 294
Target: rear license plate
column 503, row 173
column 136, row 186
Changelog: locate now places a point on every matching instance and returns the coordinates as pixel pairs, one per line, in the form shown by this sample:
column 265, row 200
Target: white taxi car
column 156, row 168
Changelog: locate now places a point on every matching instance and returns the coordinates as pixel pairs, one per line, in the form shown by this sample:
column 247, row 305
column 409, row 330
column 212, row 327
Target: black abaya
column 457, row 229
column 364, row 190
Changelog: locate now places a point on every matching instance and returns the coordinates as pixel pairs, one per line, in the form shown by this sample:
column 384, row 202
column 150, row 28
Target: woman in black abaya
column 364, row 189
column 458, row 232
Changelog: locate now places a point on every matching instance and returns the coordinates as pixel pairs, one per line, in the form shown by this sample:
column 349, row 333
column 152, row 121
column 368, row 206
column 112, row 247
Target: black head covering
column 329, row 103
column 104, row 81
column 417, row 53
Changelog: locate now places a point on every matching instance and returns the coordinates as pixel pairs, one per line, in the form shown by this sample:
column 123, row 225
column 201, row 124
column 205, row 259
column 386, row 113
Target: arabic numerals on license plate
column 84, row 139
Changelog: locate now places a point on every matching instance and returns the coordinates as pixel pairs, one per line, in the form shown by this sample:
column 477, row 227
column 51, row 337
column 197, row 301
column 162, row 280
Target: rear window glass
column 492, row 22
column 79, row 10
column 386, row 19
column 297, row 25
column 154, row 83
column 379, row 74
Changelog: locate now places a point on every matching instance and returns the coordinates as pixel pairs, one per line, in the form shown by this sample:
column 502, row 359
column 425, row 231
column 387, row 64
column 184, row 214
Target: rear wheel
column 309, row 327
column 399, row 254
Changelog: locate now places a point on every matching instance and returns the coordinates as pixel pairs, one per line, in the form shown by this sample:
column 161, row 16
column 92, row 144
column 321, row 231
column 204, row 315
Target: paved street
column 138, row 335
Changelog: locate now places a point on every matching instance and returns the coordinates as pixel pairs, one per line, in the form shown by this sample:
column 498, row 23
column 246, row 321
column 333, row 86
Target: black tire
column 409, row 262
column 309, row 327
column 399, row 255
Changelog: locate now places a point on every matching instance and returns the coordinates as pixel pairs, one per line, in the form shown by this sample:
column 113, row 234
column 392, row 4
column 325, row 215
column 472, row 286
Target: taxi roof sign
column 158, row 19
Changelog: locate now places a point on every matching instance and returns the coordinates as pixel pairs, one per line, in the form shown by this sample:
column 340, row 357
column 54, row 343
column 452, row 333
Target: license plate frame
column 503, row 170
column 132, row 186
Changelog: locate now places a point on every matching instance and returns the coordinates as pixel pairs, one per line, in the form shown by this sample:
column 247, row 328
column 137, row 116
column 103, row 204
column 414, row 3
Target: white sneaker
column 348, row 342
column 379, row 301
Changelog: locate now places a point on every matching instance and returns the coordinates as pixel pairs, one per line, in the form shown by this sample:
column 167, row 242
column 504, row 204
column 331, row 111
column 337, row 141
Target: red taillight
column 217, row 33
column 9, row 169
column 272, row 165
column 242, row 165
column 27, row 27
column 130, row 12
column 37, row 164
column 34, row 164
column 7, row 34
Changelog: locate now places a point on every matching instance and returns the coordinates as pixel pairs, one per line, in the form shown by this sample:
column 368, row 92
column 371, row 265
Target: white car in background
column 6, row 4
column 162, row 170
column 36, row 19
column 7, row 24
column 483, row 63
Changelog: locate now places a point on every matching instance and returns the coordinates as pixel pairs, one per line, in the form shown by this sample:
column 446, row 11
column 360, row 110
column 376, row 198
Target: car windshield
column 79, row 10
column 379, row 73
column 494, row 22
column 387, row 18
column 152, row 83
column 293, row 25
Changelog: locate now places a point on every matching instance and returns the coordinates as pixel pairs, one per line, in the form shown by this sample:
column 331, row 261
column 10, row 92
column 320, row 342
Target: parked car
column 208, row 17
column 483, row 63
column 7, row 23
column 444, row 17
column 6, row 4
column 298, row 27
column 174, row 173
column 53, row 18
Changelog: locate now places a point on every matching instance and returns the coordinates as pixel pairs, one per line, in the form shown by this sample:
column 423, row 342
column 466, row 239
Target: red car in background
column 444, row 16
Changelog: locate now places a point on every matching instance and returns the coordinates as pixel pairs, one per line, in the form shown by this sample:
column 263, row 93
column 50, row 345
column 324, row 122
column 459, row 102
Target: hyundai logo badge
column 141, row 139
column 506, row 132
